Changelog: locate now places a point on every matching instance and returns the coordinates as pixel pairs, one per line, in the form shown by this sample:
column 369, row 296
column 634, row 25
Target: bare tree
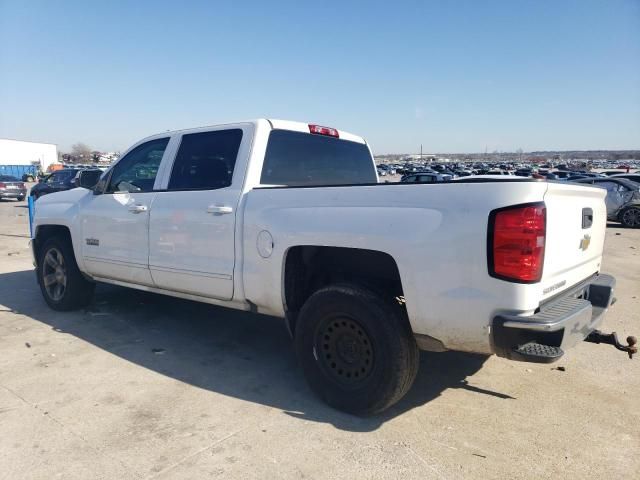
column 81, row 151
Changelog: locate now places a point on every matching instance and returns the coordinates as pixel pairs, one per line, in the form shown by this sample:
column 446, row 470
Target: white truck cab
column 288, row 219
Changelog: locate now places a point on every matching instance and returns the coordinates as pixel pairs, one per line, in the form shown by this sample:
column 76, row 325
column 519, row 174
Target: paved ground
column 142, row 386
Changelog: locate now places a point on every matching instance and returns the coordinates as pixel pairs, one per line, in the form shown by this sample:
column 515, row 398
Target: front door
column 192, row 230
column 115, row 222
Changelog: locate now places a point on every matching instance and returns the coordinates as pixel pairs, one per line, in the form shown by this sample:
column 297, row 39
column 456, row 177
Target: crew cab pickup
column 288, row 219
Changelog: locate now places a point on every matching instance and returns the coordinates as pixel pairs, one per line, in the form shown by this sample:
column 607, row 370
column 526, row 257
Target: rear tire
column 62, row 284
column 357, row 350
column 630, row 217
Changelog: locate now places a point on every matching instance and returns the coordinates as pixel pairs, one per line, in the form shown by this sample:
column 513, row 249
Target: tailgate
column 576, row 224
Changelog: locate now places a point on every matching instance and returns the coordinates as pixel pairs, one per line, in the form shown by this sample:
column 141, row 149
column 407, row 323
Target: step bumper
column 561, row 324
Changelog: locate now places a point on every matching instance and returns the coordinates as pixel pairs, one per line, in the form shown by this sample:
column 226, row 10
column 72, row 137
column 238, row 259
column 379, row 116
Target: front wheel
column 356, row 349
column 630, row 217
column 62, row 284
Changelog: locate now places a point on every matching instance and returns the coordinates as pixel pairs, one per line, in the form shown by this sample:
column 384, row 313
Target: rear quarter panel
column 436, row 233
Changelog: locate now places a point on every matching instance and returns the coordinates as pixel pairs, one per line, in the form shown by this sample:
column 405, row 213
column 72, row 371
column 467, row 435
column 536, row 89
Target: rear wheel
column 630, row 217
column 356, row 349
column 62, row 284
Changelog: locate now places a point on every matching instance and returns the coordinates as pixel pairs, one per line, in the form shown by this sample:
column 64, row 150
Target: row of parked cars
column 623, row 189
column 64, row 179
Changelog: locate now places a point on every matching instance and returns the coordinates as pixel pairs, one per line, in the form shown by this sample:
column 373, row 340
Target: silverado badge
column 94, row 242
column 584, row 243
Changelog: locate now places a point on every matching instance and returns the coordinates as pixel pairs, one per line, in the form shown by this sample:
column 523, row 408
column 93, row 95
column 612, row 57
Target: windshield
column 301, row 159
column 8, row 178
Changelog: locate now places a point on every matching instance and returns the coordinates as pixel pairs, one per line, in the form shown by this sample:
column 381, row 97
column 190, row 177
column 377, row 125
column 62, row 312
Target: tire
column 356, row 350
column 63, row 288
column 20, row 199
column 630, row 217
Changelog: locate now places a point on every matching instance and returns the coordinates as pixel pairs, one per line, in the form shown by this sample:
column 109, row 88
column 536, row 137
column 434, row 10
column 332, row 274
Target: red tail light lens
column 319, row 130
column 2, row 185
column 516, row 242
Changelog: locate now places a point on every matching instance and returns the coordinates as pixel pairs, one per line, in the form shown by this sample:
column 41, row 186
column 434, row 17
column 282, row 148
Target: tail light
column 21, row 186
column 2, row 185
column 319, row 130
column 516, row 242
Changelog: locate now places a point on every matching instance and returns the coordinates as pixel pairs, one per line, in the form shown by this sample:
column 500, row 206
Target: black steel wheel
column 344, row 350
column 356, row 348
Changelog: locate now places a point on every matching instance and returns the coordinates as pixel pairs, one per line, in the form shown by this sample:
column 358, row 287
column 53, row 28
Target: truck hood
column 65, row 196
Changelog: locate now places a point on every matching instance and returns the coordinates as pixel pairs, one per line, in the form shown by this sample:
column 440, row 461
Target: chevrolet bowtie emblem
column 585, row 242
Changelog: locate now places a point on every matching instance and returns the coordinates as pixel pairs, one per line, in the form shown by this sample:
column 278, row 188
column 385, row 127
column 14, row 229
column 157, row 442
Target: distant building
column 18, row 152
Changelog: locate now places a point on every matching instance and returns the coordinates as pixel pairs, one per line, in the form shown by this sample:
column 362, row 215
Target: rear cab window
column 298, row 159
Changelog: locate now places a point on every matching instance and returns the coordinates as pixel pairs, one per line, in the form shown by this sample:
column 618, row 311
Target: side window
column 205, row 161
column 137, row 170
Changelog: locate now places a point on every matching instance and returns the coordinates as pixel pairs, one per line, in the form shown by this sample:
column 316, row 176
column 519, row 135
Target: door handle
column 219, row 209
column 138, row 208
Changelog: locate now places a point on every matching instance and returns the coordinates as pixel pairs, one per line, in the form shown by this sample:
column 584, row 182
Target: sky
column 453, row 76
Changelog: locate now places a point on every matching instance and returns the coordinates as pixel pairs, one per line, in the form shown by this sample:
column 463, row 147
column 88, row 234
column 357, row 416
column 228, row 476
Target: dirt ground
column 144, row 386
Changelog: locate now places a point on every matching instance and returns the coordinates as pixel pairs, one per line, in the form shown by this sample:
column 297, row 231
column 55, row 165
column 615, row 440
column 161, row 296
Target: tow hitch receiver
column 612, row 339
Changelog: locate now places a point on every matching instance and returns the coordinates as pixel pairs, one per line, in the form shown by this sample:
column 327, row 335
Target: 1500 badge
column 94, row 242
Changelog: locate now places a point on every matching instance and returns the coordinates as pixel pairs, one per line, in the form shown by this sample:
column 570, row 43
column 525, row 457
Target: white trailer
column 18, row 152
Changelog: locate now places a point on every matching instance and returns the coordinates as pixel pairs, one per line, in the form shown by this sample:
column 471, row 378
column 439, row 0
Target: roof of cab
column 304, row 127
column 275, row 124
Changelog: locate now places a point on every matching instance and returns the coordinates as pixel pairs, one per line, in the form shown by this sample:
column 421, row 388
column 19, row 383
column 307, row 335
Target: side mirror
column 88, row 178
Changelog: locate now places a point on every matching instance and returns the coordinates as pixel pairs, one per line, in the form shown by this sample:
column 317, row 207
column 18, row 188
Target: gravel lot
column 144, row 386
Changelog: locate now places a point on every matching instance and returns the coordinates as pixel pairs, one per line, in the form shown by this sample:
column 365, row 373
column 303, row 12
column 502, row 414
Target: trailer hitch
column 612, row 339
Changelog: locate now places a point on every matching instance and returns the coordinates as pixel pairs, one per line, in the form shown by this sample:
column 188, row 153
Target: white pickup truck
column 288, row 219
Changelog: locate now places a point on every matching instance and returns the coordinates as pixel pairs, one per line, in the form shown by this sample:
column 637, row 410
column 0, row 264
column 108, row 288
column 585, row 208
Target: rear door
column 192, row 229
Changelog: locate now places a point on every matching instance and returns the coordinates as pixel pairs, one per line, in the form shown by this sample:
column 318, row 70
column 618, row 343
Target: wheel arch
column 47, row 231
column 307, row 268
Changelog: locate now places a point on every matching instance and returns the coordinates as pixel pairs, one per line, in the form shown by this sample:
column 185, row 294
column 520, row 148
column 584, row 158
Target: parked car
column 623, row 199
column 12, row 187
column 563, row 174
column 634, row 177
column 426, row 177
column 57, row 181
column 286, row 219
column 523, row 172
column 387, row 169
